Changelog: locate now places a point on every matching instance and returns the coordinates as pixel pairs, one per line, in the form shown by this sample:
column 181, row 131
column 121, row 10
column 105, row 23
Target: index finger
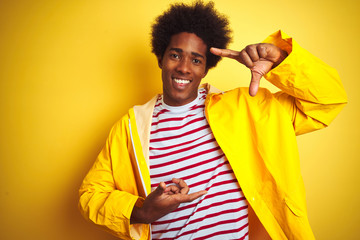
column 225, row 53
column 191, row 197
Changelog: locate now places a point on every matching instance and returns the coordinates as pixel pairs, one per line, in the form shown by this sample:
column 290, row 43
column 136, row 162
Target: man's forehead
column 188, row 42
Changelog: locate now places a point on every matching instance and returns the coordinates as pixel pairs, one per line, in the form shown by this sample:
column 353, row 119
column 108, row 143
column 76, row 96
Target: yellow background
column 70, row 69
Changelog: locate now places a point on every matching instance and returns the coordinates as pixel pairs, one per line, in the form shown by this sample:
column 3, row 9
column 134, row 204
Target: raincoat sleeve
column 312, row 92
column 102, row 200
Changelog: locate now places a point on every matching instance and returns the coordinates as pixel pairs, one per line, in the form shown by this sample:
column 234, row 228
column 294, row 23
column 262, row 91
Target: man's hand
column 163, row 200
column 259, row 58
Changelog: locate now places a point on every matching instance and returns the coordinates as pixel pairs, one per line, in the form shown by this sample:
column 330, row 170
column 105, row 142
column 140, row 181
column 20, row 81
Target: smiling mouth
column 181, row 81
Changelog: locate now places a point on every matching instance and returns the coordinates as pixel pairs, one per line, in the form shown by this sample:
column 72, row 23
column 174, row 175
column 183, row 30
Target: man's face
column 183, row 66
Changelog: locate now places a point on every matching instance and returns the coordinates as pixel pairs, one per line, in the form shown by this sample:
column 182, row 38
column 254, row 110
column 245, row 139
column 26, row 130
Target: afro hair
column 199, row 18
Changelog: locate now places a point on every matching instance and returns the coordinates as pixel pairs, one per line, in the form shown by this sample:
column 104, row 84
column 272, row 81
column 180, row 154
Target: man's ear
column 159, row 62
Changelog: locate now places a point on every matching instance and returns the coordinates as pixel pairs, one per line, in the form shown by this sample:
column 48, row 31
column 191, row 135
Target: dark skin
column 259, row 58
column 183, row 65
column 163, row 200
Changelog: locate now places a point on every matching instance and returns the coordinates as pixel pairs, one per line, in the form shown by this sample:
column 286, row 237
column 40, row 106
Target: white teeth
column 183, row 81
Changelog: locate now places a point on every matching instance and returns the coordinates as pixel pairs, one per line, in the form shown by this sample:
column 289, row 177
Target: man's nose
column 184, row 66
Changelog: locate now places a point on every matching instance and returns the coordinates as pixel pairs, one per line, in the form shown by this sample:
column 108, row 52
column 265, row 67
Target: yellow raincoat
column 257, row 135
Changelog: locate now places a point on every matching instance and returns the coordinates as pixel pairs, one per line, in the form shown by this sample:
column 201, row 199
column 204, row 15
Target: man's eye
column 173, row 55
column 197, row 61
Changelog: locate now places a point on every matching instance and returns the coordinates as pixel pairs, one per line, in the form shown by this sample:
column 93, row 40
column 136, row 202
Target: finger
column 160, row 189
column 172, row 189
column 255, row 82
column 252, row 51
column 191, row 197
column 245, row 59
column 225, row 53
column 184, row 189
column 261, row 49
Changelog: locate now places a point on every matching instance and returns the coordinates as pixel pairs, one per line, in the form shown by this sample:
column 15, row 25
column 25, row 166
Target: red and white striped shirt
column 182, row 146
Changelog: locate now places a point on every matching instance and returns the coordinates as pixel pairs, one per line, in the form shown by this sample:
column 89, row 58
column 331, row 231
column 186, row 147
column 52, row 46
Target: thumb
column 255, row 82
column 160, row 189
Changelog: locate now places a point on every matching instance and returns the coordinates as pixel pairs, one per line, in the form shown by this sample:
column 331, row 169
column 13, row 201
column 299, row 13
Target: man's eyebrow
column 179, row 50
column 176, row 50
column 197, row 55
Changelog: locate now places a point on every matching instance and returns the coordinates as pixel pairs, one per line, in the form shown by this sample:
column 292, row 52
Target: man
column 196, row 163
